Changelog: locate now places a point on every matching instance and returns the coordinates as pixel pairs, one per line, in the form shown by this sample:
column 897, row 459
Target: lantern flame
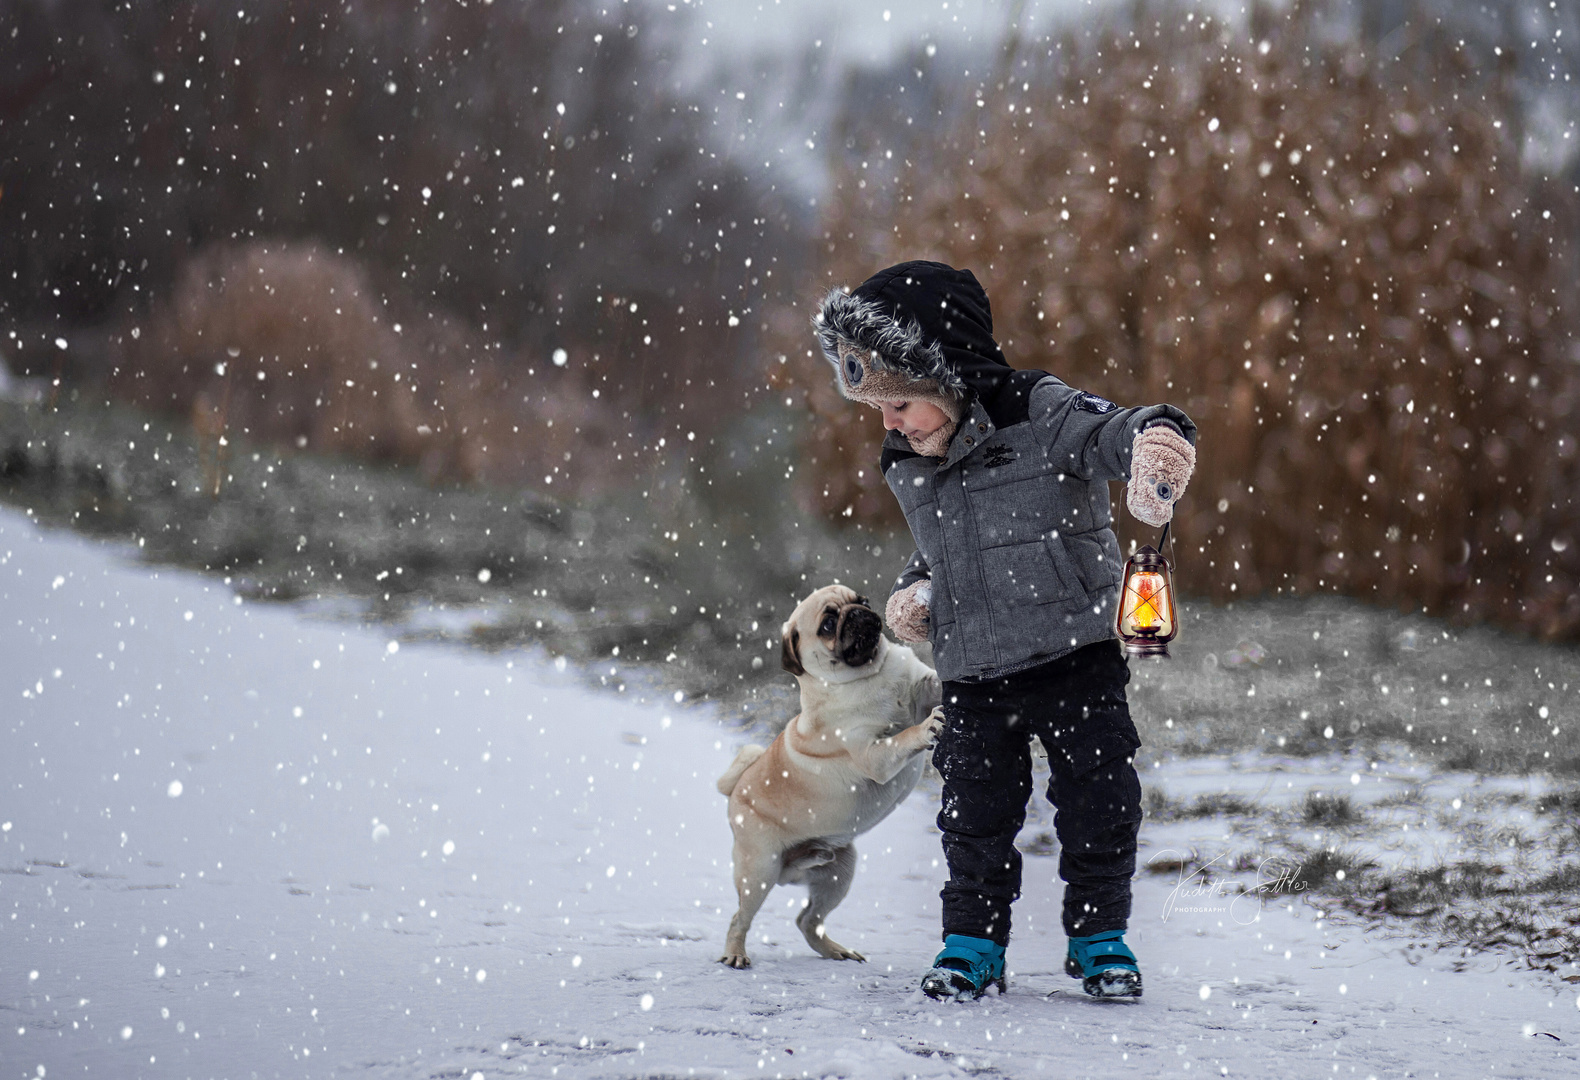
column 1147, row 587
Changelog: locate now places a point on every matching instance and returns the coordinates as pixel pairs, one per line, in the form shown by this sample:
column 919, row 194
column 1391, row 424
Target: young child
column 1003, row 478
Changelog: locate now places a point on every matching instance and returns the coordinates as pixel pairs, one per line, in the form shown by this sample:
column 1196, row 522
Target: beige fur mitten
column 907, row 612
column 1161, row 464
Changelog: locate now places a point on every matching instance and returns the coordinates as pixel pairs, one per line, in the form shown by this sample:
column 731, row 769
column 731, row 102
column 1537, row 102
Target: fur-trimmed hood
column 923, row 320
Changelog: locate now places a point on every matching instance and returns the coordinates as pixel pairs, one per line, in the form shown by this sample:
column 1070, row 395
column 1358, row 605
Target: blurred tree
column 524, row 173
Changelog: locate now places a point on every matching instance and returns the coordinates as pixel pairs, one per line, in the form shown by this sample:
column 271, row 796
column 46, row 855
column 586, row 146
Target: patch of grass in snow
column 1476, row 909
column 1565, row 801
column 1320, row 808
column 1319, row 675
column 1478, row 903
column 1326, row 868
column 1482, row 863
column 1562, row 879
column 1425, row 891
column 1160, row 807
column 1413, row 795
column 1041, row 843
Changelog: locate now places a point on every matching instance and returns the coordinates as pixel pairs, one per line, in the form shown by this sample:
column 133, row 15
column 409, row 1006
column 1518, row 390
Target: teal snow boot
column 1105, row 965
column 965, row 968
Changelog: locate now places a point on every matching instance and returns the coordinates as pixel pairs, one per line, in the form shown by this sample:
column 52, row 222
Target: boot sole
column 949, row 985
column 1110, row 983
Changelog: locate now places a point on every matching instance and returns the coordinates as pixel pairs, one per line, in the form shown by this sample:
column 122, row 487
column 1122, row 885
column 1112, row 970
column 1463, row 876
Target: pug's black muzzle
column 859, row 631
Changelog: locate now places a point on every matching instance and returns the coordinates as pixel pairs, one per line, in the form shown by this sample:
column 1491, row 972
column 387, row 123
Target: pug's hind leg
column 827, row 886
column 755, row 874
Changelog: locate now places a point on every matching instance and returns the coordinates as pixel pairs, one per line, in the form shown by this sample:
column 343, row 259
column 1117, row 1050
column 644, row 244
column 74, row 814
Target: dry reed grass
column 1346, row 275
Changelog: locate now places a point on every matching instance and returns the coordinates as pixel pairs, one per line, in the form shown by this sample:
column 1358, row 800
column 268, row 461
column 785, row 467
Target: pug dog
column 869, row 709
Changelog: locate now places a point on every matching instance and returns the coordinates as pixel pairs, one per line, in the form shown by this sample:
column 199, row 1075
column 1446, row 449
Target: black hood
column 925, row 319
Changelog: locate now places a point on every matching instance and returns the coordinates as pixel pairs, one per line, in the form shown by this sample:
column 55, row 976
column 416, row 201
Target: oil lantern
column 1146, row 622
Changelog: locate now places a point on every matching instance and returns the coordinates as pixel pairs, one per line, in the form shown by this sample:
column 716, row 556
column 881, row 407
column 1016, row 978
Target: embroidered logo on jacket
column 1093, row 404
column 997, row 455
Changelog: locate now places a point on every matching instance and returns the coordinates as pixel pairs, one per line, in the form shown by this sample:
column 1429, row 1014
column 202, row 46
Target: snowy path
column 225, row 851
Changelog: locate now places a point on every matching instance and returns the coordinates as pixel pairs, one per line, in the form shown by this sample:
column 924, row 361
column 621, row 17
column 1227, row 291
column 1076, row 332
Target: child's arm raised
column 1090, row 437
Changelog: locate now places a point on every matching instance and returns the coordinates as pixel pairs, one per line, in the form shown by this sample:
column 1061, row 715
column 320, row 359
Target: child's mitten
column 907, row 613
column 1161, row 462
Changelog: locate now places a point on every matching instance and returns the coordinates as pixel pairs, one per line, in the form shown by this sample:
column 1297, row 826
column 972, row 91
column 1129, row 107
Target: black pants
column 1076, row 706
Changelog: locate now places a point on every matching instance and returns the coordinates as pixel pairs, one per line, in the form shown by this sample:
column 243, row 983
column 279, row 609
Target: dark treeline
column 505, row 180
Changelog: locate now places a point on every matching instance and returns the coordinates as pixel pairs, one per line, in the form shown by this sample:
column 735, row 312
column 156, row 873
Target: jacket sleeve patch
column 1093, row 404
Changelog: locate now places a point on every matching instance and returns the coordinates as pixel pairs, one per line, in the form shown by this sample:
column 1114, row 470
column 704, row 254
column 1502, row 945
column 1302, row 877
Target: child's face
column 917, row 419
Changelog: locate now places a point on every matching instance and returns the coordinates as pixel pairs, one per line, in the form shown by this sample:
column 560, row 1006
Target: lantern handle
column 1164, row 535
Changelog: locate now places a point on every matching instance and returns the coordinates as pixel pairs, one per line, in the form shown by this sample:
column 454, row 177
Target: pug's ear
column 790, row 652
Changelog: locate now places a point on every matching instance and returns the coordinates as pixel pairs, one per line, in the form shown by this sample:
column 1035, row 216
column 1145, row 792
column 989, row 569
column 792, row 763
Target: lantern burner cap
column 1148, row 557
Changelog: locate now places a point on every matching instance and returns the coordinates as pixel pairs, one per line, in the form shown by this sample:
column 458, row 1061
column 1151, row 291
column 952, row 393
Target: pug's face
column 833, row 634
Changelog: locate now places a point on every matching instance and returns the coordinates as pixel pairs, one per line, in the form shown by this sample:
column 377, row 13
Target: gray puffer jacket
column 1013, row 526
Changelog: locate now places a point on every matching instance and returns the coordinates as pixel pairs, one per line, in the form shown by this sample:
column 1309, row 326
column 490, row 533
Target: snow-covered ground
column 236, row 841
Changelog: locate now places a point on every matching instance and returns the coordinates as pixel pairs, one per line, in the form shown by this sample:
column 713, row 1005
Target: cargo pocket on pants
column 1101, row 791
column 1105, row 748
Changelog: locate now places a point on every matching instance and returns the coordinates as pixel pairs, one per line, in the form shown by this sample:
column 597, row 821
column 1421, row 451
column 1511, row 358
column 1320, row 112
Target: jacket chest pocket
column 1012, row 490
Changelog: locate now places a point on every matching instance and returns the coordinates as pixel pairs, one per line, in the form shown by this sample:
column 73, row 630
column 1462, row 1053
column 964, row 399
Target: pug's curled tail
column 742, row 762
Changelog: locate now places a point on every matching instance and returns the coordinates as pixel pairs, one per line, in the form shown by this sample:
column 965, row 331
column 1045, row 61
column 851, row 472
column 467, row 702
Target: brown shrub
column 286, row 343
column 289, row 344
column 1348, row 280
